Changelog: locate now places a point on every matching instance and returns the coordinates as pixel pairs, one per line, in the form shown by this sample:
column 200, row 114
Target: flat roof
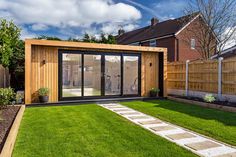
column 85, row 45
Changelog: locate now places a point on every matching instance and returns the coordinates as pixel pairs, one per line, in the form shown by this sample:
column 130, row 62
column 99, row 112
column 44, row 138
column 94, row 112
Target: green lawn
column 87, row 130
column 211, row 122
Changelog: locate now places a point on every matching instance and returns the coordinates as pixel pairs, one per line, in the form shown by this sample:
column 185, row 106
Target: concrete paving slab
column 202, row 145
column 181, row 136
column 139, row 117
column 227, row 155
column 122, row 110
column 150, row 122
column 163, row 128
column 130, row 113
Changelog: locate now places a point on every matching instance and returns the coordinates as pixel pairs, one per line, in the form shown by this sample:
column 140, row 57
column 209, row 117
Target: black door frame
column 121, row 54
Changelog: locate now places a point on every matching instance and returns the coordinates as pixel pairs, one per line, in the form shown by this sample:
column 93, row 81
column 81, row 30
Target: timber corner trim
column 11, row 137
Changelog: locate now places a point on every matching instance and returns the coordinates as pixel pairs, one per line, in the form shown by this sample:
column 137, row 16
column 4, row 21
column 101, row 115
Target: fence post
column 186, row 79
column 4, row 77
column 220, row 78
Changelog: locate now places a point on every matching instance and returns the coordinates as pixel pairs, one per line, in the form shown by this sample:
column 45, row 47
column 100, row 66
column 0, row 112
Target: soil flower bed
column 7, row 117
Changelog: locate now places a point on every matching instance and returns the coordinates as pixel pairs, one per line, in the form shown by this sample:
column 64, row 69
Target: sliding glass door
column 71, row 75
column 131, row 75
column 112, row 75
column 92, row 75
column 97, row 74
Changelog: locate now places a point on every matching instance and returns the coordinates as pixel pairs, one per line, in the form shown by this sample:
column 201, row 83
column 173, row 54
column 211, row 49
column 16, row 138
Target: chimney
column 121, row 31
column 154, row 21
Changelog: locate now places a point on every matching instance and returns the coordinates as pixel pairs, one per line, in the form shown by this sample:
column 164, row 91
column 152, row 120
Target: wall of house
column 168, row 43
column 43, row 71
column 192, row 31
column 171, row 46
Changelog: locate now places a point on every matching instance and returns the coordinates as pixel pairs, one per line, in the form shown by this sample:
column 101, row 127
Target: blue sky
column 72, row 18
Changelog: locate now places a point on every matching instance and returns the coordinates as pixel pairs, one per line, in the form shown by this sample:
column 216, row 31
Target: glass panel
column 71, row 75
column 112, row 75
column 92, row 75
column 130, row 77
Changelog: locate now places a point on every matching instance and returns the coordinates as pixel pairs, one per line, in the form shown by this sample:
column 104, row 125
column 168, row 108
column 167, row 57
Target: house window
column 153, row 43
column 193, row 43
column 135, row 44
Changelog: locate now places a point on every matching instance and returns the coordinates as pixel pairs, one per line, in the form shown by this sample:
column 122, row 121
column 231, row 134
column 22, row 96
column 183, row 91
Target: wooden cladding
column 149, row 74
column 41, row 65
column 44, row 71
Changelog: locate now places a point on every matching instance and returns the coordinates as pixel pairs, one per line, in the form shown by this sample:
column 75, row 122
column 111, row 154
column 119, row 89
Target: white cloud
column 68, row 13
column 144, row 7
column 39, row 27
column 232, row 40
column 112, row 28
column 167, row 8
column 27, row 35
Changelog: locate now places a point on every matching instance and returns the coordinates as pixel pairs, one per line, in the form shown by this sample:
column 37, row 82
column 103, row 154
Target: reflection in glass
column 112, row 75
column 130, row 77
column 92, row 75
column 71, row 75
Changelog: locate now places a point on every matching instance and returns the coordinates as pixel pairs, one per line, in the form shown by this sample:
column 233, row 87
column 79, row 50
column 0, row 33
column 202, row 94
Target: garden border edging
column 11, row 137
column 204, row 104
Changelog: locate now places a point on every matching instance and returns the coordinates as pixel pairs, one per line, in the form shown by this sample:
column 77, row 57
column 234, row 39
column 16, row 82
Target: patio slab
column 122, row 110
column 203, row 145
column 139, row 117
column 181, row 136
column 227, row 155
column 150, row 122
column 115, row 107
column 130, row 113
column 163, row 128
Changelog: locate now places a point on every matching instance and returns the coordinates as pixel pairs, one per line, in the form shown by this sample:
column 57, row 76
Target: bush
column 7, row 96
column 43, row 91
column 156, row 90
column 209, row 98
column 19, row 98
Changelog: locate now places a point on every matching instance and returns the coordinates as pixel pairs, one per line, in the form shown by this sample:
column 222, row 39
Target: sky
column 73, row 18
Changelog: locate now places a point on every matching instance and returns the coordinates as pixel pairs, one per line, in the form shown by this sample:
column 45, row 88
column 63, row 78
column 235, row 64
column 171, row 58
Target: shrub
column 19, row 97
column 156, row 90
column 43, row 91
column 7, row 96
column 209, row 98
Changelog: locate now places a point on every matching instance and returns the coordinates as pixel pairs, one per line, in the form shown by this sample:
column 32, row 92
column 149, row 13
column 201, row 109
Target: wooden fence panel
column 176, row 75
column 203, row 76
column 229, row 77
column 4, row 77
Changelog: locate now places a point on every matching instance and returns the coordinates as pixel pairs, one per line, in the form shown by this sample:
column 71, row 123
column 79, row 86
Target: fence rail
column 203, row 76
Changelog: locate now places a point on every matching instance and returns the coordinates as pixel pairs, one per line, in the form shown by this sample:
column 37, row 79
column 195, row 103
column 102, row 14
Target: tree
column 104, row 38
column 10, row 37
column 11, row 48
column 48, row 37
column 217, row 26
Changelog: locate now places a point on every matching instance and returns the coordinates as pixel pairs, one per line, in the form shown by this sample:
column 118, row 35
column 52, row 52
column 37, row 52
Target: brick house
column 172, row 34
column 229, row 53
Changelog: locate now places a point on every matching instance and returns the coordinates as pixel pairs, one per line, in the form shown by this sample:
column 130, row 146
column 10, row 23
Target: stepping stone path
column 198, row 144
